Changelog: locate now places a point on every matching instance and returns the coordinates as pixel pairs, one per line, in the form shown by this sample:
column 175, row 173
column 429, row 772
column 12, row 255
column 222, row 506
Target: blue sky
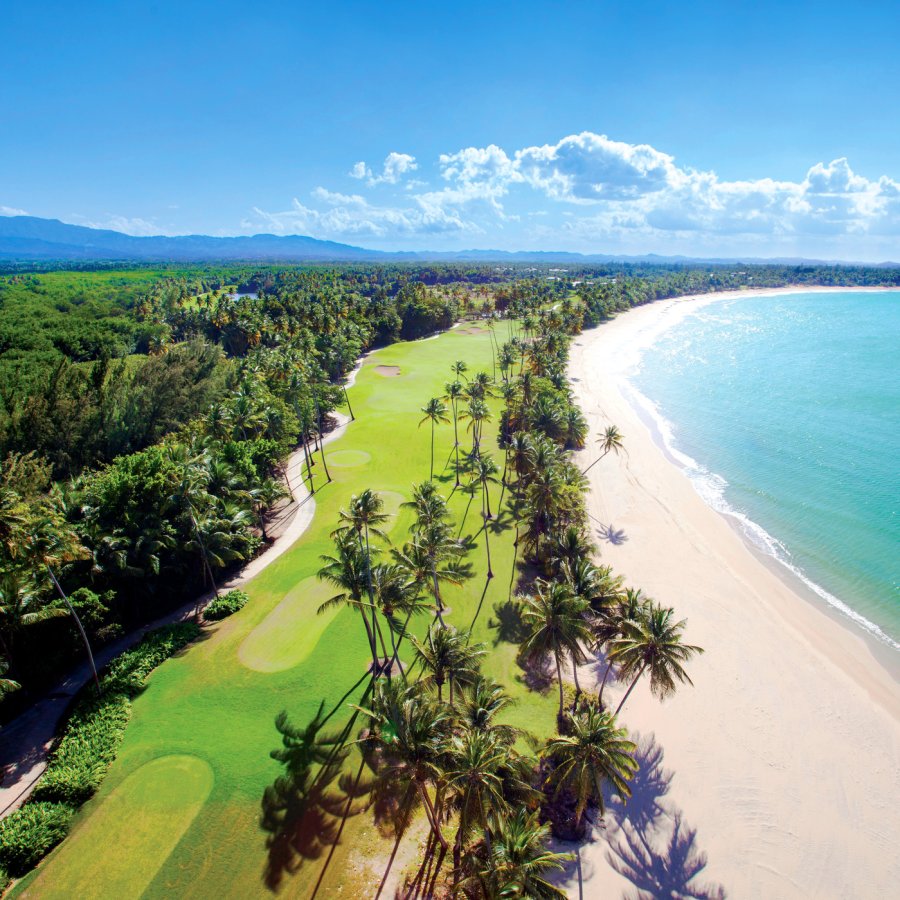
column 701, row 128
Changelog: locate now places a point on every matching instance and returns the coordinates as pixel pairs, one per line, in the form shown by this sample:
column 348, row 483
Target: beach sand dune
column 778, row 773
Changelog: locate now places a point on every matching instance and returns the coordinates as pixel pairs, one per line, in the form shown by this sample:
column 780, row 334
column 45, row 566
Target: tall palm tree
column 454, row 394
column 554, row 619
column 595, row 752
column 515, row 861
column 459, row 368
column 435, row 412
column 347, row 569
column 653, row 644
column 443, row 552
column 474, row 779
column 607, row 626
column 409, row 729
column 610, row 440
column 482, row 703
column 364, row 516
column 447, row 657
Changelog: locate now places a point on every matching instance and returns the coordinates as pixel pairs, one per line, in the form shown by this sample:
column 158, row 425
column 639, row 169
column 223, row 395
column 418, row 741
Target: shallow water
column 785, row 412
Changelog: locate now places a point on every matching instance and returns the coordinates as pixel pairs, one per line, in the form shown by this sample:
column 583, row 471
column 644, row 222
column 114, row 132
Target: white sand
column 785, row 756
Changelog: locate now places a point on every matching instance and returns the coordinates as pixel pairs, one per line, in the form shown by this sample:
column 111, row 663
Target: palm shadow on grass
column 304, row 809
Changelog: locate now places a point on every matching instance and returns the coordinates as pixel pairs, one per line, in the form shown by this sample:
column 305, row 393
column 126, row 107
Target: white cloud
column 12, row 211
column 350, row 215
column 125, row 224
column 395, row 166
column 598, row 192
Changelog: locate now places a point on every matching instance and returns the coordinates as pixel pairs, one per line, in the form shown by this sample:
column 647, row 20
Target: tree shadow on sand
column 649, row 843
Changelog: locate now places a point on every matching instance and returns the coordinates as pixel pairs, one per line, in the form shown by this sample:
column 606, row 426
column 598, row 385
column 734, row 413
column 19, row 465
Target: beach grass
column 216, row 703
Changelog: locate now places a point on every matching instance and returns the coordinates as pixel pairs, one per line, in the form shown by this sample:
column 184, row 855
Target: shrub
column 97, row 724
column 28, row 834
column 225, row 605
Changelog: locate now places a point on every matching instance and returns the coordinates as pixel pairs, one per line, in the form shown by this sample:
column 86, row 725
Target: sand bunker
column 388, row 371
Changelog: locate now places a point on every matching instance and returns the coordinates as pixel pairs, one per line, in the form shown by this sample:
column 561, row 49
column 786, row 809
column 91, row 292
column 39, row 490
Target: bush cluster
column 225, row 605
column 88, row 747
column 31, row 833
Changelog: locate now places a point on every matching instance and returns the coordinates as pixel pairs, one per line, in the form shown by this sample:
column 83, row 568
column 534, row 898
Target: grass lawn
column 178, row 814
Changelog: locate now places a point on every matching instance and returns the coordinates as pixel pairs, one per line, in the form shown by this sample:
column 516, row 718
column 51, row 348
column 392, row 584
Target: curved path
column 25, row 743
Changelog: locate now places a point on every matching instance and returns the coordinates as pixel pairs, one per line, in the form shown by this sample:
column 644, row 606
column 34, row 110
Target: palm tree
column 348, row 570
column 454, row 394
column 594, row 752
column 21, row 606
column 610, row 440
column 364, row 516
column 482, row 703
column 447, row 657
column 653, row 643
column 395, row 593
column 515, row 861
column 477, row 412
column 263, row 497
column 409, row 730
column 607, row 626
column 459, row 368
column 443, row 551
column 474, row 778
column 485, row 472
column 435, row 412
column 554, row 618
column 7, row 685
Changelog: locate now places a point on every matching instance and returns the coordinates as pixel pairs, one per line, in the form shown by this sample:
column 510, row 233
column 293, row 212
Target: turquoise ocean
column 784, row 410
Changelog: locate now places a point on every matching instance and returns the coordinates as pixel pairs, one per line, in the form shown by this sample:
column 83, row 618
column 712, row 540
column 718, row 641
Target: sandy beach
column 778, row 773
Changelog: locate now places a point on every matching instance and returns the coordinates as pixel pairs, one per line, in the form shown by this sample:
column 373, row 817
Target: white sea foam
column 712, row 489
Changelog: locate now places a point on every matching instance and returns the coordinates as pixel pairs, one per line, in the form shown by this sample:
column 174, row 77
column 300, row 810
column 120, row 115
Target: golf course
column 181, row 805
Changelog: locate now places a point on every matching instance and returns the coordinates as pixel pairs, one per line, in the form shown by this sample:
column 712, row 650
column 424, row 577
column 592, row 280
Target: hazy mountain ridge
column 26, row 238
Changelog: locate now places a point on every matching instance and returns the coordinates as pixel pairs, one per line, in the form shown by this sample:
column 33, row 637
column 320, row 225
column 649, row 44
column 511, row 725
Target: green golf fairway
column 178, row 814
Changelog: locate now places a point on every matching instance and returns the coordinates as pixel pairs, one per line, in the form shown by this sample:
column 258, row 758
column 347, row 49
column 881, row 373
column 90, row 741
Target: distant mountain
column 31, row 239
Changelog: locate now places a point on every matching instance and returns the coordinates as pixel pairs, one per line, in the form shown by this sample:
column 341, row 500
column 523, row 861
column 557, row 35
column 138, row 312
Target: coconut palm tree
column 454, row 394
column 364, row 516
column 409, row 730
column 443, row 552
column 435, row 412
column 477, row 412
column 348, row 570
column 596, row 751
column 632, row 606
column 482, row 702
column 7, row 685
column 514, row 861
column 459, row 368
column 653, row 643
column 21, row 606
column 610, row 440
column 447, row 657
column 554, row 618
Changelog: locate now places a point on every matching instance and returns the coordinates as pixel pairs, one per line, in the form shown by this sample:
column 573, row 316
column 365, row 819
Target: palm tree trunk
column 609, row 665
column 84, row 637
column 559, row 679
column 456, row 442
column 577, row 685
column 400, row 832
column 347, row 399
column 429, row 812
column 487, row 542
column 631, row 688
column 431, row 470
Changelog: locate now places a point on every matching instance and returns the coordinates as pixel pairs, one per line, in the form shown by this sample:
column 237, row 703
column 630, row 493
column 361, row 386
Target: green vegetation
column 85, row 752
column 436, row 613
column 225, row 605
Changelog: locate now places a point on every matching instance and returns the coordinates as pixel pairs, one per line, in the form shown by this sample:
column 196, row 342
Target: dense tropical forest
column 146, row 420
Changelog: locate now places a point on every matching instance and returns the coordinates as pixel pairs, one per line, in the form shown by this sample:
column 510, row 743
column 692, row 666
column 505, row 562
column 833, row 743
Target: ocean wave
column 712, row 489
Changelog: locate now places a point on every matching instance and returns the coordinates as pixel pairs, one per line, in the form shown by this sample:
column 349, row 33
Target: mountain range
column 33, row 239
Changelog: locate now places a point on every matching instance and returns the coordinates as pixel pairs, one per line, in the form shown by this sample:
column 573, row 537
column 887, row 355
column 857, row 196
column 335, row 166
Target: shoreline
column 763, row 753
